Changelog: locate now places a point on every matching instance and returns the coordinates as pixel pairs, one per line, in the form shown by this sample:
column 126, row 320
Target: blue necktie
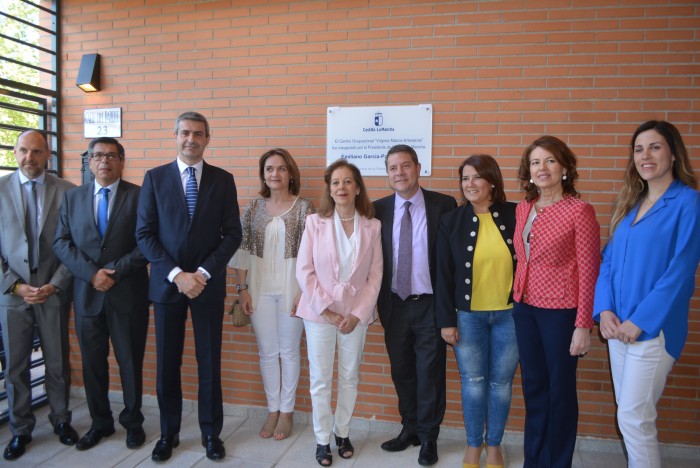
column 102, row 209
column 405, row 260
column 191, row 192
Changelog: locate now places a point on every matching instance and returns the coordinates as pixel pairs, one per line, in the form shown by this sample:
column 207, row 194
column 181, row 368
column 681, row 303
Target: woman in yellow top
column 474, row 303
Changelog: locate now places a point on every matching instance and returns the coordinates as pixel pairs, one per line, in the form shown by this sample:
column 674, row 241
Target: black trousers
column 207, row 322
column 128, row 333
column 417, row 356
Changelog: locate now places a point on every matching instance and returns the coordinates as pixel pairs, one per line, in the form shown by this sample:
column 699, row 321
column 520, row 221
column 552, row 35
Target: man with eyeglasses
column 96, row 240
column 33, row 292
column 189, row 227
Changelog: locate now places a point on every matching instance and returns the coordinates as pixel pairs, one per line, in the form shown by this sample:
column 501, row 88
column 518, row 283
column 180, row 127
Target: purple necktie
column 405, row 260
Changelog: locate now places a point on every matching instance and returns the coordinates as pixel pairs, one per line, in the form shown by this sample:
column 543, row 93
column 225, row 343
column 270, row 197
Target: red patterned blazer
column 564, row 257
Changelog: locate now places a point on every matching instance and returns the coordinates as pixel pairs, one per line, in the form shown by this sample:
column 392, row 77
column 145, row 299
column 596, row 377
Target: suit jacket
column 456, row 244
column 317, row 271
column 648, row 270
column 79, row 246
column 564, row 257
column 168, row 239
column 436, row 204
column 14, row 247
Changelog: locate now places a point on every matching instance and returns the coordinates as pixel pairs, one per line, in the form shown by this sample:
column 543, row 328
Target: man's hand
column 190, row 284
column 33, row 295
column 450, row 335
column 102, row 281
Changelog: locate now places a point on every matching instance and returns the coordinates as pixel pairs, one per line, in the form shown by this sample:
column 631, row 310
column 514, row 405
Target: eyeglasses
column 102, row 156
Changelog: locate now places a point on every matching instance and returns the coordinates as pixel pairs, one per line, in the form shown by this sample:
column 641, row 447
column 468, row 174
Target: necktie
column 191, row 192
column 32, row 227
column 405, row 260
column 102, row 209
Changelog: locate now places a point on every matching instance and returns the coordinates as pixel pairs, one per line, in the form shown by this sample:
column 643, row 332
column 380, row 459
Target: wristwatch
column 241, row 287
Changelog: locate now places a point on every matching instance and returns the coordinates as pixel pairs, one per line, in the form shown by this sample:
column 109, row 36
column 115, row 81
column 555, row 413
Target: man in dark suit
column 188, row 228
column 33, row 291
column 406, row 306
column 96, row 240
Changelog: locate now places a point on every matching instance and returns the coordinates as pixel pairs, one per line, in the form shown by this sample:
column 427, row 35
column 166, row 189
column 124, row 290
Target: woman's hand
column 628, row 332
column 348, row 324
column 580, row 342
column 331, row 317
column 450, row 335
column 246, row 303
column 609, row 325
column 295, row 304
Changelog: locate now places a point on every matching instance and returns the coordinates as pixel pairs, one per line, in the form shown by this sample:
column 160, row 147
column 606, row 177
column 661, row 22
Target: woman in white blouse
column 339, row 270
column 267, row 286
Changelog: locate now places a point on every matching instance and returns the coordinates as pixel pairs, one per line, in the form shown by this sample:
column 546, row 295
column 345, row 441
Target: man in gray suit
column 96, row 240
column 33, row 291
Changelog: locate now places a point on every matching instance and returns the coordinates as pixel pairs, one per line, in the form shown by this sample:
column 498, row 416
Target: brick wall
column 499, row 74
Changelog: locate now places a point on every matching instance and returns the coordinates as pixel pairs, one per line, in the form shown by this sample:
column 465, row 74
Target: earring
column 564, row 178
column 493, row 186
column 532, row 181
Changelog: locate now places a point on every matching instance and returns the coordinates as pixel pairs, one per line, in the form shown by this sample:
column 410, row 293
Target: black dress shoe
column 135, row 437
column 215, row 447
column 15, row 448
column 402, row 442
column 164, row 447
column 66, row 434
column 93, row 437
column 428, row 453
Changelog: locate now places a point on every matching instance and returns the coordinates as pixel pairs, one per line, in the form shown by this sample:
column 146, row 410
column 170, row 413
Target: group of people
column 502, row 283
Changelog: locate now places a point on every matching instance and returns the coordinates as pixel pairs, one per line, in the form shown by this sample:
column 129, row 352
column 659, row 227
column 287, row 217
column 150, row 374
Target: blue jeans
column 487, row 356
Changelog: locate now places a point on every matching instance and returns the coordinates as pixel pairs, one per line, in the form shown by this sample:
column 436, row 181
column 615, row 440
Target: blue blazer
column 648, row 269
column 168, row 240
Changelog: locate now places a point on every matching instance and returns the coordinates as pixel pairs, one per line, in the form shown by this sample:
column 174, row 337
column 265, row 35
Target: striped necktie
column 191, row 192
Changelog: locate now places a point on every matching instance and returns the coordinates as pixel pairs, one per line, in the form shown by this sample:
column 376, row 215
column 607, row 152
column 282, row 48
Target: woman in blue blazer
column 647, row 279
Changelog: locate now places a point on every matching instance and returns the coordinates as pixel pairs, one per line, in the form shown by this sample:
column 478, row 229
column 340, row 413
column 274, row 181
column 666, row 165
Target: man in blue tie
column 188, row 228
column 96, row 240
column 33, row 292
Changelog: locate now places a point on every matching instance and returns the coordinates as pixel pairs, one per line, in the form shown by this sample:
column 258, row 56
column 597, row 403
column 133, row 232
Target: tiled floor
column 245, row 449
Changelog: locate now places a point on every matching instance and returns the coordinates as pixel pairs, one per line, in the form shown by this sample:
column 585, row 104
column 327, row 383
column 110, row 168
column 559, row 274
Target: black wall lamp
column 89, row 73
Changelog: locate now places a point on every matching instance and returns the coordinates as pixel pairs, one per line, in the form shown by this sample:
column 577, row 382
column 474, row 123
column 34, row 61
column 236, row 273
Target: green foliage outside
column 14, row 72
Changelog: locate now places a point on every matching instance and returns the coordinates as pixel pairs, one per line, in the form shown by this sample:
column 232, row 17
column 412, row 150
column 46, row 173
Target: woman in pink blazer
column 339, row 270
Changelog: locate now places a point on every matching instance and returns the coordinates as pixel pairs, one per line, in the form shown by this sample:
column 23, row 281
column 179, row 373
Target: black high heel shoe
column 323, row 455
column 344, row 447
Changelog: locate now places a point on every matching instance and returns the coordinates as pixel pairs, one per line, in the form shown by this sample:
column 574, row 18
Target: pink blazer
column 317, row 271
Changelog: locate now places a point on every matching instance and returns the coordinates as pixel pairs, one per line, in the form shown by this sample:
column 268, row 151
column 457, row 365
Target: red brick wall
column 499, row 74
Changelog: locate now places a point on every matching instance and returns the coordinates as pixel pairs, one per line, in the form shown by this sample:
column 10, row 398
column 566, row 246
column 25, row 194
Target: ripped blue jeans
column 487, row 356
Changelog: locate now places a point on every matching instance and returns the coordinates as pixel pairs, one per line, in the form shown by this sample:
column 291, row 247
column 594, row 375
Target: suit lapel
column 176, row 181
column 116, row 206
column 16, row 195
column 361, row 238
column 49, row 194
column 328, row 227
column 86, row 205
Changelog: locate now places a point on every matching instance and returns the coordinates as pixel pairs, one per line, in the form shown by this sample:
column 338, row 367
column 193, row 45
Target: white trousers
column 321, row 341
column 639, row 372
column 279, row 337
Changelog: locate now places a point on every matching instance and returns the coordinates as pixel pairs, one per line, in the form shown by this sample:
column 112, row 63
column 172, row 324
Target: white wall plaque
column 102, row 122
column 363, row 135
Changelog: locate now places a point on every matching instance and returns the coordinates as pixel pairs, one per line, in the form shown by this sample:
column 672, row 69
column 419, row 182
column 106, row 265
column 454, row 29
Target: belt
column 414, row 297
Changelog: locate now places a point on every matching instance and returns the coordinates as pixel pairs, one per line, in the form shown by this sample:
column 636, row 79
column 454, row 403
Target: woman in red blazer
column 557, row 243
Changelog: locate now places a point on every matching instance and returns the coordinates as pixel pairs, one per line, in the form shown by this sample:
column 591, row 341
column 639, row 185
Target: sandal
column 345, row 448
column 284, row 426
column 323, row 455
column 268, row 428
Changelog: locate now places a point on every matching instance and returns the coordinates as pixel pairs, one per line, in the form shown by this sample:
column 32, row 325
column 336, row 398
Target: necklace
column 346, row 219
